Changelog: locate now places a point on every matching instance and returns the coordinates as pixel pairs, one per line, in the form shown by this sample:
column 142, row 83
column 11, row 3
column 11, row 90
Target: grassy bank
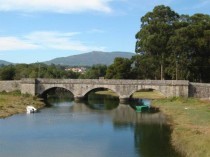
column 141, row 94
column 190, row 119
column 14, row 103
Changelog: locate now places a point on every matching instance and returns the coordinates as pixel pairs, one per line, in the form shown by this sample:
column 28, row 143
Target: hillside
column 90, row 58
column 2, row 62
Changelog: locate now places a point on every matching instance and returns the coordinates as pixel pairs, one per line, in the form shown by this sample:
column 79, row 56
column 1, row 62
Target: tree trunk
column 162, row 68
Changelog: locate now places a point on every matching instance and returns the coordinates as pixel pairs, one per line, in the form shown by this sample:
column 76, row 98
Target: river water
column 99, row 127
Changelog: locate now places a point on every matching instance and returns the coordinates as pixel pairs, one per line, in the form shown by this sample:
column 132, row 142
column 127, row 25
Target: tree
column 156, row 29
column 20, row 71
column 120, row 69
column 7, row 73
column 190, row 48
column 95, row 72
column 144, row 67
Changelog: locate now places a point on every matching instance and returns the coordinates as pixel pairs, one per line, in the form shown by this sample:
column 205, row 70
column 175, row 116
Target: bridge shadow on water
column 151, row 133
column 95, row 100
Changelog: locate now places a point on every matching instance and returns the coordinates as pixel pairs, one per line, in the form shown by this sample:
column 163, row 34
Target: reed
column 190, row 119
column 14, row 103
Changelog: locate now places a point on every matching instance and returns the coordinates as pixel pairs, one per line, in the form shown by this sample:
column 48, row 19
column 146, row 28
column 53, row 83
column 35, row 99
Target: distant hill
column 90, row 58
column 2, row 62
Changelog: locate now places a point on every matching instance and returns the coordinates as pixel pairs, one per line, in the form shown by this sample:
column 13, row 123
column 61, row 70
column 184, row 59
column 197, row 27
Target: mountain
column 90, row 58
column 2, row 62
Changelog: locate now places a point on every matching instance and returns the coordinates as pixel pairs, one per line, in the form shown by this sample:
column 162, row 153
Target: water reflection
column 151, row 134
column 101, row 102
column 153, row 140
column 75, row 129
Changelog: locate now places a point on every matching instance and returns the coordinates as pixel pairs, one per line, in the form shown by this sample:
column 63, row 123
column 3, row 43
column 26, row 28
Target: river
column 99, row 127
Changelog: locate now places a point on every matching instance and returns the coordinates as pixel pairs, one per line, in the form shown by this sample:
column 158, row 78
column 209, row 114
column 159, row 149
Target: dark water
column 100, row 127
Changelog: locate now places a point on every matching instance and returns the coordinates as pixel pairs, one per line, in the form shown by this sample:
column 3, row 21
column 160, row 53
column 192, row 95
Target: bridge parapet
column 112, row 81
column 124, row 88
column 9, row 86
column 199, row 90
column 28, row 86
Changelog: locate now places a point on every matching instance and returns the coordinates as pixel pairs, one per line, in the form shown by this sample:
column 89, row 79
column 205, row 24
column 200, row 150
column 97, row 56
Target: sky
column 39, row 30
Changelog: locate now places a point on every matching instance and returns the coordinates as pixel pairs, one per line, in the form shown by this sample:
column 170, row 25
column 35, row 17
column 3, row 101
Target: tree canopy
column 180, row 44
column 95, row 72
column 18, row 71
column 120, row 69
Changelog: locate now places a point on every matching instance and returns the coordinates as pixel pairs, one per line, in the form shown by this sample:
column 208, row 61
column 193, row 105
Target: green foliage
column 95, row 72
column 156, row 29
column 180, row 44
column 14, row 93
column 18, row 71
column 144, row 66
column 120, row 69
column 7, row 73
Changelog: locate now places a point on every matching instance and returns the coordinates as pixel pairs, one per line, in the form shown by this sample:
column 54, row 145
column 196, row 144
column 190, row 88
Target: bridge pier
column 124, row 100
column 78, row 98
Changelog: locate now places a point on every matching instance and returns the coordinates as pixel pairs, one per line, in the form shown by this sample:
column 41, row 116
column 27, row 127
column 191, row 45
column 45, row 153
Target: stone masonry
column 124, row 88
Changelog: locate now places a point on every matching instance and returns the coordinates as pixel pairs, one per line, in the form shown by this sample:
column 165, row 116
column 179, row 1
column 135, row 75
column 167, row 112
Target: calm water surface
column 98, row 128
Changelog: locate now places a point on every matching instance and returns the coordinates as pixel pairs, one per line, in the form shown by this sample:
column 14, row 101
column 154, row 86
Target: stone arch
column 44, row 92
column 99, row 87
column 146, row 88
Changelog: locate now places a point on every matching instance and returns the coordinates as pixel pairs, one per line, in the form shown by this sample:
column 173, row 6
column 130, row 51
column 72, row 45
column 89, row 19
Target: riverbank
column 190, row 119
column 142, row 94
column 14, row 103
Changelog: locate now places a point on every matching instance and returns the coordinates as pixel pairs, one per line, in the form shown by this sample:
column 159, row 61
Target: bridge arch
column 99, row 87
column 101, row 101
column 153, row 88
column 123, row 88
column 46, row 91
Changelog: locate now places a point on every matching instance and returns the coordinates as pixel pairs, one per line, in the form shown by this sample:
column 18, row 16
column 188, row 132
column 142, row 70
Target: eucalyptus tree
column 155, row 32
column 144, row 67
column 200, row 31
column 190, row 48
column 180, row 46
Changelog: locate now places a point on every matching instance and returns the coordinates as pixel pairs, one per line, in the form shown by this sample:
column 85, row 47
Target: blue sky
column 40, row 30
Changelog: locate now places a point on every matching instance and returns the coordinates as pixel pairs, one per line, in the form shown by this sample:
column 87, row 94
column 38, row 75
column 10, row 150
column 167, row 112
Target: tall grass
column 13, row 103
column 190, row 119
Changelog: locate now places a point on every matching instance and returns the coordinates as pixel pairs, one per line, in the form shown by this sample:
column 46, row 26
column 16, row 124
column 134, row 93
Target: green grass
column 190, row 119
column 140, row 94
column 107, row 92
column 14, row 103
column 148, row 95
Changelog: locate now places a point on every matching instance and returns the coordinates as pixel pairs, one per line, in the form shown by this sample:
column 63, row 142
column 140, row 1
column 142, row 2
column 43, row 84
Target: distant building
column 77, row 69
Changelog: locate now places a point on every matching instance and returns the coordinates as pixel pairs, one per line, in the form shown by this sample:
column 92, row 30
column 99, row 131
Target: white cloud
column 60, row 6
column 46, row 40
column 14, row 43
column 60, row 41
column 95, row 30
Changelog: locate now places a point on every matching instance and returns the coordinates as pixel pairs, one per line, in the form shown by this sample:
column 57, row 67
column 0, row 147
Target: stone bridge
column 123, row 88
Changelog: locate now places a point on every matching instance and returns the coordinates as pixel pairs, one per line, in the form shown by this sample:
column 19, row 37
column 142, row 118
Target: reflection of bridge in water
column 124, row 114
